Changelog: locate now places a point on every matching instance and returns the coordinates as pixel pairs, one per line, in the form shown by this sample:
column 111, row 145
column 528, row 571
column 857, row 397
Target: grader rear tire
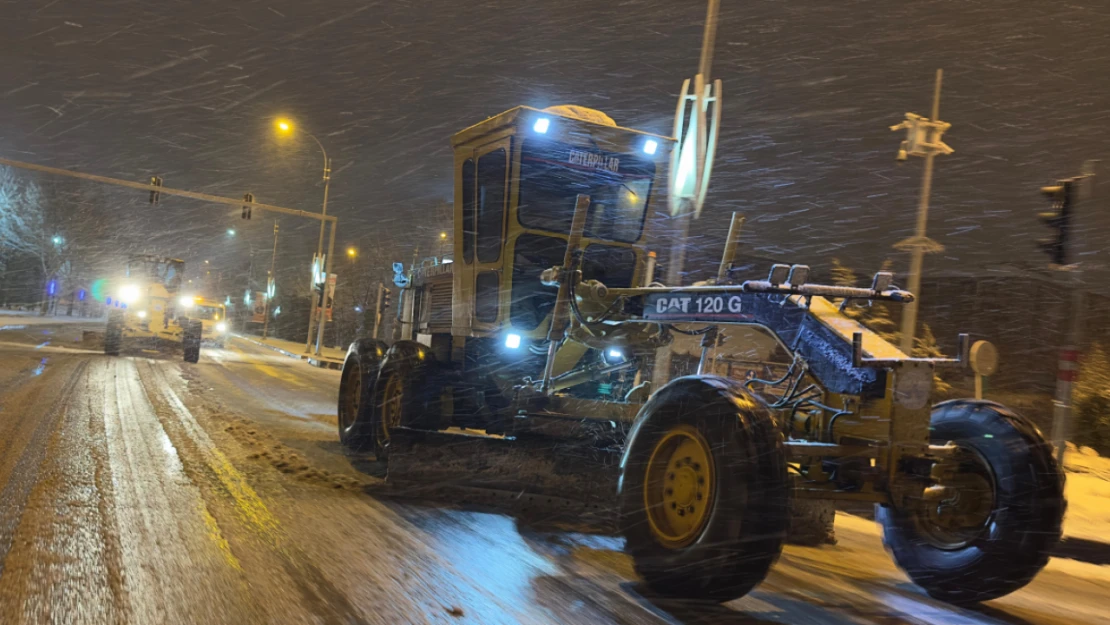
column 993, row 534
column 704, row 491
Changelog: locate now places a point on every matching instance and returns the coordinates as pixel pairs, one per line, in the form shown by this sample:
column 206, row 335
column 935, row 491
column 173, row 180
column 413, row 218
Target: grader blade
column 549, row 479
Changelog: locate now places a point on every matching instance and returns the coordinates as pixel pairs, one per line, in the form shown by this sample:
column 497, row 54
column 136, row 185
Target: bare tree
column 31, row 234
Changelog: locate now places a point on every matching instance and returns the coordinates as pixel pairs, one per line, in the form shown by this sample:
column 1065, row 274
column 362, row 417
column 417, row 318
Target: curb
column 323, row 362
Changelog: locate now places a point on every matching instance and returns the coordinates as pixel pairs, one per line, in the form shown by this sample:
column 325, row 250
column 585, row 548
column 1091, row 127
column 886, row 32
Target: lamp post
column 285, row 126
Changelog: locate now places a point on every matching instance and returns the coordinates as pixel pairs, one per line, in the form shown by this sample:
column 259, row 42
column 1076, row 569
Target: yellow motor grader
column 546, row 324
column 145, row 305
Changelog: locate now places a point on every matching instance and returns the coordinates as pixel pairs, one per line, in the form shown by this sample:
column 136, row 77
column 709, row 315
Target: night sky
column 188, row 91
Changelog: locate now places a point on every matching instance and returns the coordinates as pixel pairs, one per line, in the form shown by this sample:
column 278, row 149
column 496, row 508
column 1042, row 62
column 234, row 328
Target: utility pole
column 923, row 138
column 270, row 284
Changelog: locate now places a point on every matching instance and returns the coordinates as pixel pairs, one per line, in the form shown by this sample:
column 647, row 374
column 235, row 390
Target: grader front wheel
column 1002, row 513
column 704, row 492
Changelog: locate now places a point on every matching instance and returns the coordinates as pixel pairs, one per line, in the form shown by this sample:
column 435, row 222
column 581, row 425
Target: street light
column 352, row 253
column 230, row 233
column 57, row 240
column 286, row 127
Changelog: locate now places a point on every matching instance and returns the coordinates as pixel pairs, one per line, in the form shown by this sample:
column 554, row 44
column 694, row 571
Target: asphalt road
column 140, row 490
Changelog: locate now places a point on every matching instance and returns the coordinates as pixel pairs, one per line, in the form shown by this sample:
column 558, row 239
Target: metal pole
column 562, row 300
column 270, row 277
column 327, row 274
column 378, row 311
column 709, row 37
column 319, row 242
column 909, row 314
column 733, row 241
column 1067, row 372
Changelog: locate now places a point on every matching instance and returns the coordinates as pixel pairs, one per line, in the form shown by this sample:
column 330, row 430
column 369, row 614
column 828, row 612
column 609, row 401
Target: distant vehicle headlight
column 130, row 293
column 186, row 302
column 221, row 327
column 142, row 314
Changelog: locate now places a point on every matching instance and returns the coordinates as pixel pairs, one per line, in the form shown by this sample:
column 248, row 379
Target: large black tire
column 113, row 333
column 407, row 392
column 747, row 501
column 191, row 337
column 1008, row 469
column 356, row 415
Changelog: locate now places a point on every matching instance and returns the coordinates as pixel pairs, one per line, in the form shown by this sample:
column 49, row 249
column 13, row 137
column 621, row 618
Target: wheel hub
column 967, row 512
column 678, row 491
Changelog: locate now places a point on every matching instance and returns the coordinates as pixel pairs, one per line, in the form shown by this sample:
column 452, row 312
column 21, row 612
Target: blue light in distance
column 541, row 125
column 650, row 146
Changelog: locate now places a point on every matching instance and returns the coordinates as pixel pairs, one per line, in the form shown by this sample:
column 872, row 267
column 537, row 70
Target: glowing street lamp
column 352, row 253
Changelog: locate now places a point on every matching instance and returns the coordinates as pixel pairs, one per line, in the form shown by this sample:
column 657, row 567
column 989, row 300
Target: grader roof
column 564, row 112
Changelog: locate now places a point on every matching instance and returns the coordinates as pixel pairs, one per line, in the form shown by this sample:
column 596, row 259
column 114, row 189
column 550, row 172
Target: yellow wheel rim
column 679, row 486
column 391, row 407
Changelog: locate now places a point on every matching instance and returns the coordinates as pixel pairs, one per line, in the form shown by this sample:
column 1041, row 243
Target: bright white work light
column 541, row 125
column 130, row 294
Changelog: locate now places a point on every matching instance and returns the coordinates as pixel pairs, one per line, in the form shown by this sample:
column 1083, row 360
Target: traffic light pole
column 1067, row 372
column 1066, row 195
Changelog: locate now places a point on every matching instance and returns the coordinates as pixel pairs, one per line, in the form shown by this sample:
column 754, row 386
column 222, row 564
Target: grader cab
column 547, row 325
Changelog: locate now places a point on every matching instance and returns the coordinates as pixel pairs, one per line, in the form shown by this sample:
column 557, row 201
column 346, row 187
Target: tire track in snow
column 25, row 473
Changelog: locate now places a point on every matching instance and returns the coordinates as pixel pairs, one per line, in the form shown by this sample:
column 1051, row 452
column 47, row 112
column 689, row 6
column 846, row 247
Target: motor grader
column 145, row 307
column 546, row 323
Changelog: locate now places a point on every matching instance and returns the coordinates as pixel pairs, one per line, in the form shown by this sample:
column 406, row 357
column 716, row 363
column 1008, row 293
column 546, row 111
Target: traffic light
column 248, row 198
column 155, row 181
column 387, row 299
column 1062, row 196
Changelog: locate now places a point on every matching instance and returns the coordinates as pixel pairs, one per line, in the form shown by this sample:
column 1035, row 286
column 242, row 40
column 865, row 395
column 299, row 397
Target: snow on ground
column 1088, row 493
column 13, row 319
